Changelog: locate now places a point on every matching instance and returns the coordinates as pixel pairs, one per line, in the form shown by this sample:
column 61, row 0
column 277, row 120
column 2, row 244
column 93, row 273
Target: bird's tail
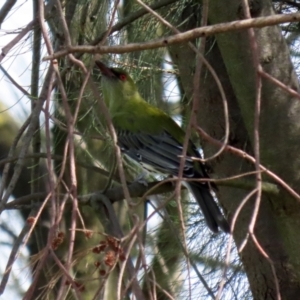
column 212, row 214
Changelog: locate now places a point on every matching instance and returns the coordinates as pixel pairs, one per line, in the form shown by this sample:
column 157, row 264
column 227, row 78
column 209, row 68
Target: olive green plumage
column 150, row 136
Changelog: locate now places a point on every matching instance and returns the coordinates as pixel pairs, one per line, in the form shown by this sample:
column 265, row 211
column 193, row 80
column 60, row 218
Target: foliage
column 92, row 231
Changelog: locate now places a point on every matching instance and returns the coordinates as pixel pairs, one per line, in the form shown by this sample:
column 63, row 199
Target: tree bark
column 278, row 223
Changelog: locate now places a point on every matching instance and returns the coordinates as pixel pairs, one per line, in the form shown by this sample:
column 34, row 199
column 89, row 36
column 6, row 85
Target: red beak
column 106, row 71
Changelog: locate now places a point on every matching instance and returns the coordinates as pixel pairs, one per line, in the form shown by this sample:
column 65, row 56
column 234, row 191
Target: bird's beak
column 106, row 71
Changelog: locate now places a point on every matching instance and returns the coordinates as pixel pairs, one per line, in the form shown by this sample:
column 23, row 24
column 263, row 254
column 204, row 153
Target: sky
column 17, row 64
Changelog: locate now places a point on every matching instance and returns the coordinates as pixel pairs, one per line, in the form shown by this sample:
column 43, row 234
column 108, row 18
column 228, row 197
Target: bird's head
column 116, row 84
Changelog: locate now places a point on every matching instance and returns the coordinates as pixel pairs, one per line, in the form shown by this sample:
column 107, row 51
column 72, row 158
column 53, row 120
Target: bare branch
column 181, row 37
column 5, row 9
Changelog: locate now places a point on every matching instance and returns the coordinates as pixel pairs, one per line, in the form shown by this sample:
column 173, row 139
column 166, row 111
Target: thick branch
column 182, row 37
column 137, row 189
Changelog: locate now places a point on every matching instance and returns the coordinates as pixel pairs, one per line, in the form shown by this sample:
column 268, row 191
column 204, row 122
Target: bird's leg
column 141, row 178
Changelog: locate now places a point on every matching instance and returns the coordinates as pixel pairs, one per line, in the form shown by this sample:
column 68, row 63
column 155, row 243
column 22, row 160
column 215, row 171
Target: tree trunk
column 277, row 226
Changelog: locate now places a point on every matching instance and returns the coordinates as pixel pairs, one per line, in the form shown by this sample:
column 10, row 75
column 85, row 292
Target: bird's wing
column 159, row 151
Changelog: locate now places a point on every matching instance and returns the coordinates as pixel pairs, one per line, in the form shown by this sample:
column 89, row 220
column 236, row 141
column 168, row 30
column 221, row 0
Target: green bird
column 151, row 137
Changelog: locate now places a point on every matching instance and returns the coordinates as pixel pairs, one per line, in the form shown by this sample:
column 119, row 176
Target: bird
column 150, row 136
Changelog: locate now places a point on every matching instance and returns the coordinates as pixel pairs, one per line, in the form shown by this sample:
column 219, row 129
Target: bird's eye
column 122, row 77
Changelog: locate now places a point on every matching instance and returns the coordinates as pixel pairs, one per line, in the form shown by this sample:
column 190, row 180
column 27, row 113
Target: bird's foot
column 141, row 178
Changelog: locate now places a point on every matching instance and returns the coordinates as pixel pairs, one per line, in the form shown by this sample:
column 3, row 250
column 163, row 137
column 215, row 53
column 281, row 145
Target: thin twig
column 27, row 138
column 24, row 32
column 250, row 158
column 14, row 253
column 230, row 242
